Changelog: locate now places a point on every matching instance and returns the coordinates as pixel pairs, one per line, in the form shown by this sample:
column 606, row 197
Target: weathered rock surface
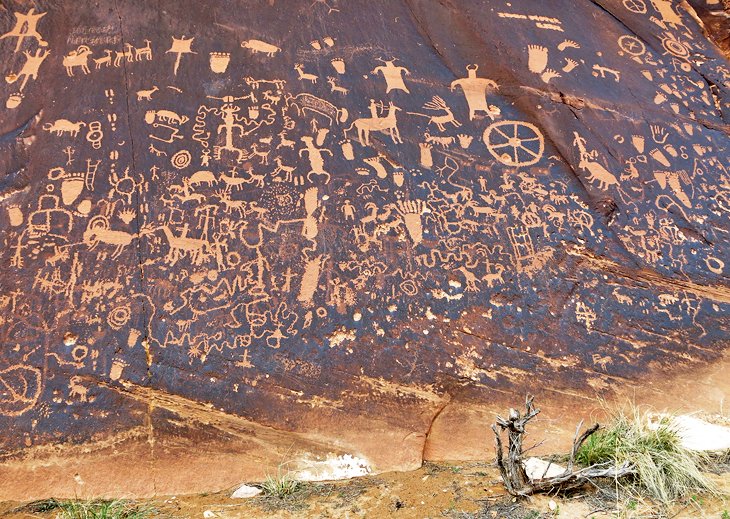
column 237, row 234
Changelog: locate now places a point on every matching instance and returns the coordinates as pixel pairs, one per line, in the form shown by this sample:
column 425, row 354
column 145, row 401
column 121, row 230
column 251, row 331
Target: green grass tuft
column 102, row 509
column 665, row 469
column 281, row 485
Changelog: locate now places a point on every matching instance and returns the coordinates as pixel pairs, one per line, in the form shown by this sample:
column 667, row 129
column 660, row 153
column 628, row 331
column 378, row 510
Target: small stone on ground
column 246, row 491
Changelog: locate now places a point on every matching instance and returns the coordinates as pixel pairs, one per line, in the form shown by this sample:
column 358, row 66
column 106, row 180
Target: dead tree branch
column 512, row 468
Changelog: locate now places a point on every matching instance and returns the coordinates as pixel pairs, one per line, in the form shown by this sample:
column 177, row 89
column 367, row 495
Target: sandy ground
column 451, row 490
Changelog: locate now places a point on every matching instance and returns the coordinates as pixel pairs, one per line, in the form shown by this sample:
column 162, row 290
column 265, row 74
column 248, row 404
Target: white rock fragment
column 699, row 435
column 333, row 468
column 535, row 468
column 246, row 491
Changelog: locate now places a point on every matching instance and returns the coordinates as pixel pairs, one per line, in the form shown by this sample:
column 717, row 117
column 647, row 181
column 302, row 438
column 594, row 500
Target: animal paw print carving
column 127, row 215
column 568, row 44
column 311, row 201
column 374, row 162
column 347, row 150
column 411, row 211
column 549, row 74
column 14, row 100
column 464, row 140
column 398, row 177
column 15, row 215
column 570, row 64
column 537, row 58
column 118, row 365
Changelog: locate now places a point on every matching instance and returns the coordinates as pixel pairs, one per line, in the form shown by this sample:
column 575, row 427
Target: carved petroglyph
column 20, row 389
column 64, row 126
column 219, row 62
column 77, row 58
column 179, row 47
column 475, row 89
column 146, row 94
column 587, row 162
column 514, row 143
column 438, row 104
column 537, row 63
column 98, row 231
column 376, row 123
column 393, row 75
column 26, row 26
column 334, row 87
column 304, row 76
column 411, row 211
column 229, row 210
column 29, row 69
column 258, row 46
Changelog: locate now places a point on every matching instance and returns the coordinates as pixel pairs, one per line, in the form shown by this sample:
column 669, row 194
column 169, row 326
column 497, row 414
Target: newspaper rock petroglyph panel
column 265, row 206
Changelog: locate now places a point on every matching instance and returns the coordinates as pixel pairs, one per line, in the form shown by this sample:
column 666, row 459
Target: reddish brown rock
column 253, row 233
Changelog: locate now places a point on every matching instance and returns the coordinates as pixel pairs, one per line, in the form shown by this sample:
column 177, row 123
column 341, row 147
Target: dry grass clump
column 662, row 467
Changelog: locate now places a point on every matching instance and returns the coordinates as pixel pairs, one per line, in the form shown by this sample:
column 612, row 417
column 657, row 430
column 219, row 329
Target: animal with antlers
column 305, row 75
column 334, row 87
column 438, row 104
column 270, row 97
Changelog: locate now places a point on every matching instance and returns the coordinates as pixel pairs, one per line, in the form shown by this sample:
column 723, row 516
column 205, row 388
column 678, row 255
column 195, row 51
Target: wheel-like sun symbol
column 514, row 143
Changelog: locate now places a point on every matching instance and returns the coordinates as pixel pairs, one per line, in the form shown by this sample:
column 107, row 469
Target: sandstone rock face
column 237, row 234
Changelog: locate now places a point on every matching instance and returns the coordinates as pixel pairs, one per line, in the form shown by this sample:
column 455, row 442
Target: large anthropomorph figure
column 475, row 91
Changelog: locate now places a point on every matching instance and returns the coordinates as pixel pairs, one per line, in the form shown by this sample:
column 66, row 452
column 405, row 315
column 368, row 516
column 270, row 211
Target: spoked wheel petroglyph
column 514, row 143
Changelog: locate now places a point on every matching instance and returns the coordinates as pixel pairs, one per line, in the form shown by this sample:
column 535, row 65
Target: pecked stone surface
column 262, row 232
